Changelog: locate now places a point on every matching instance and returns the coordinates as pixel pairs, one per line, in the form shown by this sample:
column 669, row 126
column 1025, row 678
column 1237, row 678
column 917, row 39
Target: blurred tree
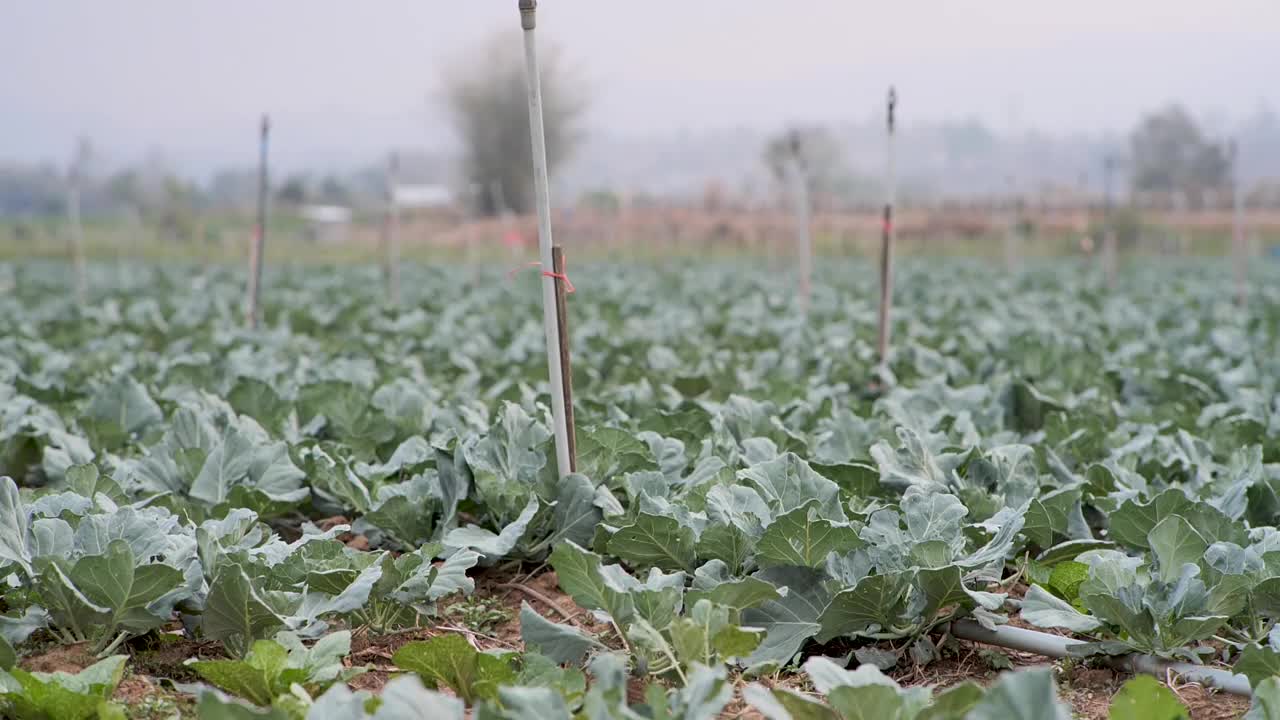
column 487, row 99
column 293, row 191
column 1170, row 154
column 820, row 157
column 333, row 192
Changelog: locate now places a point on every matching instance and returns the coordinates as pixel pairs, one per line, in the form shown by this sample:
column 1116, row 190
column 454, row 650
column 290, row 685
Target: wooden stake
column 566, row 373
column 550, row 321
column 886, row 243
column 256, row 259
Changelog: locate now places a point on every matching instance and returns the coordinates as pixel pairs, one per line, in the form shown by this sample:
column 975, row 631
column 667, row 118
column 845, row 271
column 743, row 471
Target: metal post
column 1109, row 250
column 800, row 199
column 391, row 233
column 550, row 321
column 887, row 234
column 77, row 232
column 1239, row 249
column 256, row 258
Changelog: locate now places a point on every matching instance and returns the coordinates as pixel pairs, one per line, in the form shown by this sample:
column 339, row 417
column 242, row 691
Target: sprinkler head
column 527, row 10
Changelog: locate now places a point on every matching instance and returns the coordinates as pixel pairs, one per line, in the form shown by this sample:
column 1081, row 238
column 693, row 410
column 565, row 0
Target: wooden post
column 391, row 234
column 550, row 320
column 566, row 373
column 256, row 259
column 800, row 205
column 886, row 242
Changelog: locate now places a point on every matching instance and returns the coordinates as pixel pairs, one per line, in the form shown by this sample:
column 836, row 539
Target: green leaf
column 1257, row 663
column 787, row 482
column 736, row 642
column 1066, row 578
column 735, row 594
column 113, row 582
column 14, row 520
column 236, row 613
column 953, row 703
column 579, row 574
column 1266, row 701
column 803, row 539
column 1021, row 695
column 654, row 541
column 561, row 643
column 876, row 602
column 7, row 656
column 257, row 678
column 64, row 696
column 485, row 542
column 727, row 543
column 1043, row 609
column 449, row 660
column 791, row 620
column 1145, row 698
column 786, row 705
column 215, row 706
column 1175, row 543
column 532, row 703
column 872, row 702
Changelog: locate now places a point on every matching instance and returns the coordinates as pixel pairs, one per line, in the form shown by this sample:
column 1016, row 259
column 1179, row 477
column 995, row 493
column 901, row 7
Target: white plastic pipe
column 550, row 321
column 1055, row 646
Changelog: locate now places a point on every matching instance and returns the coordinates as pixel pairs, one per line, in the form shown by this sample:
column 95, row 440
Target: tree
column 488, row 105
column 820, row 158
column 294, row 191
column 1170, row 154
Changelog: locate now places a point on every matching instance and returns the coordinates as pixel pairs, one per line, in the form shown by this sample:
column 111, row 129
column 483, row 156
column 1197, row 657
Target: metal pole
column 886, row 241
column 1109, row 250
column 1239, row 250
column 256, row 258
column 77, row 232
column 1056, row 646
column 800, row 198
column 391, row 233
column 550, row 321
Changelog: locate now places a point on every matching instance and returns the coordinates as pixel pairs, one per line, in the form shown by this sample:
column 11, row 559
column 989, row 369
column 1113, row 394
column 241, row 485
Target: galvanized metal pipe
column 550, row 321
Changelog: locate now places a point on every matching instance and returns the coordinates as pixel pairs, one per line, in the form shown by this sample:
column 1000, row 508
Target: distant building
column 326, row 223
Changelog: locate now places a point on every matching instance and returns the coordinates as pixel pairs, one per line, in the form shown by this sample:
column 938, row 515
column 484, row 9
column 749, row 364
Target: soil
column 1087, row 689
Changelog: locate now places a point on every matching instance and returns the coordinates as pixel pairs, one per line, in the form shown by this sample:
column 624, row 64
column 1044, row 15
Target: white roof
column 326, row 213
column 423, row 196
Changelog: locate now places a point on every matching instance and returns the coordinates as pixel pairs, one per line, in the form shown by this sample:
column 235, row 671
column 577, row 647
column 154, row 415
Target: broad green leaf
column 561, row 643
column 449, row 660
column 236, row 613
column 532, row 703
column 1257, row 664
column 875, row 603
column 1266, row 701
column 791, row 620
column 803, row 539
column 1145, row 698
column 579, row 574
column 655, row 541
column 1175, row 543
column 788, row 482
column 1043, row 609
column 1021, row 695
column 112, row 581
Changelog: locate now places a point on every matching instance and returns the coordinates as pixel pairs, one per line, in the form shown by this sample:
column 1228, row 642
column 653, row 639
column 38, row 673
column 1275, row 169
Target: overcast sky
column 346, row 80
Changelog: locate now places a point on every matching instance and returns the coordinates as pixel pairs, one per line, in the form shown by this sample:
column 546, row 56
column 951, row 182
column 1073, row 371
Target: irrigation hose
column 1055, row 646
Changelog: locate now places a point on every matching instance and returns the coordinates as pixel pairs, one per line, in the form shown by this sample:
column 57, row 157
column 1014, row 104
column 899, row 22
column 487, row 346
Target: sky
column 345, row 81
